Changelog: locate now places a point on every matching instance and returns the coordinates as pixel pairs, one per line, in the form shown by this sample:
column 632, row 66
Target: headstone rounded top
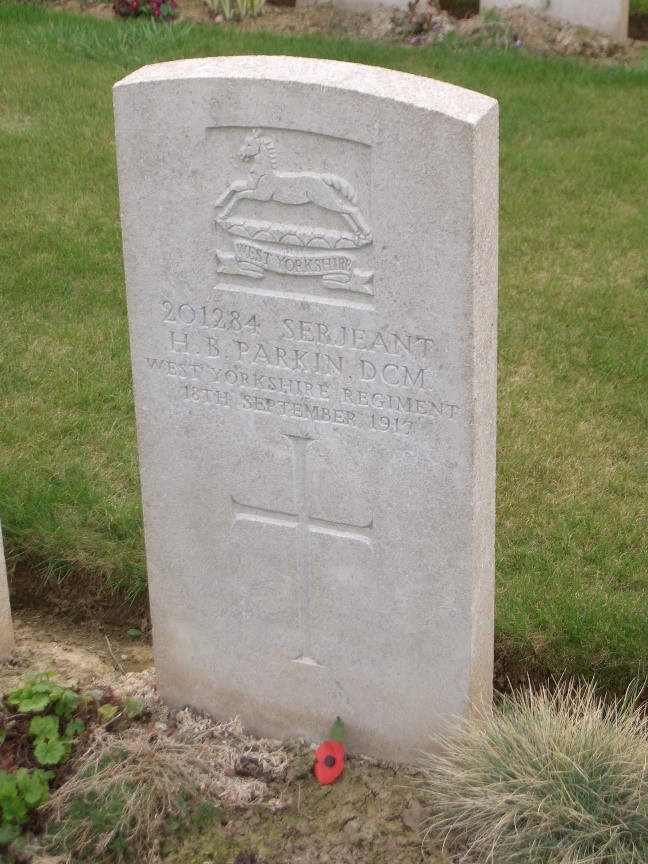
column 426, row 93
column 311, row 263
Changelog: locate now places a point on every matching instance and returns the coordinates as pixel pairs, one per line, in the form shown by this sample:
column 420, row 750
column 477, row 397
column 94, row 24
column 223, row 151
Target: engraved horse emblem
column 266, row 246
column 265, row 183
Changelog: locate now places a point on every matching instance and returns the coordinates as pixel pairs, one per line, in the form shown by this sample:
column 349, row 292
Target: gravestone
column 6, row 628
column 310, row 256
column 608, row 16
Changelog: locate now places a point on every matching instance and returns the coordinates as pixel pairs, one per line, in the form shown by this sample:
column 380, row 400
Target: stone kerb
column 608, row 16
column 6, row 628
column 310, row 252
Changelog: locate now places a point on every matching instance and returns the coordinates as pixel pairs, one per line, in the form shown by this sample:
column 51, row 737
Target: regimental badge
column 294, row 247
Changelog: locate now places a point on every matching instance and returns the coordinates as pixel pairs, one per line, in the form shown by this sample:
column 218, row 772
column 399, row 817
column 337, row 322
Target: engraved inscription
column 304, row 525
column 380, row 381
column 269, row 243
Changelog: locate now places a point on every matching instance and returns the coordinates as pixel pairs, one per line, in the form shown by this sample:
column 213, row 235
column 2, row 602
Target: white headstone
column 6, row 628
column 311, row 255
column 608, row 16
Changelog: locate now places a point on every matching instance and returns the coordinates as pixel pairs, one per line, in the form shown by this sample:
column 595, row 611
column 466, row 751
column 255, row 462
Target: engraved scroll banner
column 251, row 259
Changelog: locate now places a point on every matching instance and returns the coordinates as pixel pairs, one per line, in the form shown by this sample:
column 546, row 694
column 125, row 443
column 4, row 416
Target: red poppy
column 329, row 761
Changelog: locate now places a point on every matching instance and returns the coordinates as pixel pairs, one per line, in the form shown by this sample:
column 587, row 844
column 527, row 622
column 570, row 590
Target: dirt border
column 516, row 28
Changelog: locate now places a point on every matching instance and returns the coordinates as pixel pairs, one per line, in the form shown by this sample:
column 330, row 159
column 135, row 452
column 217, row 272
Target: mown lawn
column 571, row 564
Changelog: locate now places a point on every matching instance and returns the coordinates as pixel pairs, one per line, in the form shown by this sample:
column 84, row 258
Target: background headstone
column 608, row 16
column 6, row 628
column 311, row 262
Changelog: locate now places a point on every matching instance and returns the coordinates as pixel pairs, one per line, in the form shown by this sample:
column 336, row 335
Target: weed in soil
column 135, row 788
column 41, row 724
column 122, row 800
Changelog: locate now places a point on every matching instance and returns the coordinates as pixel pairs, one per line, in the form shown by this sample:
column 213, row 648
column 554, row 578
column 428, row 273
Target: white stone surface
column 609, row 16
column 311, row 253
column 6, row 628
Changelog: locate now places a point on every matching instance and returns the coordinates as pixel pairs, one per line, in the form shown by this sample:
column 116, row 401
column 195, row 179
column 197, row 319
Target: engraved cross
column 305, row 525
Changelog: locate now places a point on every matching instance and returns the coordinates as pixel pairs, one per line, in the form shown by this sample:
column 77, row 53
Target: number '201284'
column 214, row 317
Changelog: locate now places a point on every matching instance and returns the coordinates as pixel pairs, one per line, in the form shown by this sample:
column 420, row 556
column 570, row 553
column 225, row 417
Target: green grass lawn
column 571, row 557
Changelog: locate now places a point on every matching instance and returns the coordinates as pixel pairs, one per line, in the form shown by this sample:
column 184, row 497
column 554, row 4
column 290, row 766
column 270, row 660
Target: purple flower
column 518, row 43
column 415, row 40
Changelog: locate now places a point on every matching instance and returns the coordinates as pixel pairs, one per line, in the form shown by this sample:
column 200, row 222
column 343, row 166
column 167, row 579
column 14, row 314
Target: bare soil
column 373, row 813
column 638, row 26
column 80, row 654
column 80, row 630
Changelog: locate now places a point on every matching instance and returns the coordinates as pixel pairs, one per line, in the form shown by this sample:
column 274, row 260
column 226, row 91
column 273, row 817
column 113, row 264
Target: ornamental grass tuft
column 548, row 778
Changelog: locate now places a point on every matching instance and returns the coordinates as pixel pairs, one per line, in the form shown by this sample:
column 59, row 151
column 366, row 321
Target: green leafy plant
column 47, row 714
column 40, row 693
column 256, row 7
column 49, row 747
column 108, row 712
column 226, row 8
column 53, row 730
column 236, row 9
column 134, row 707
column 549, row 777
column 21, row 792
